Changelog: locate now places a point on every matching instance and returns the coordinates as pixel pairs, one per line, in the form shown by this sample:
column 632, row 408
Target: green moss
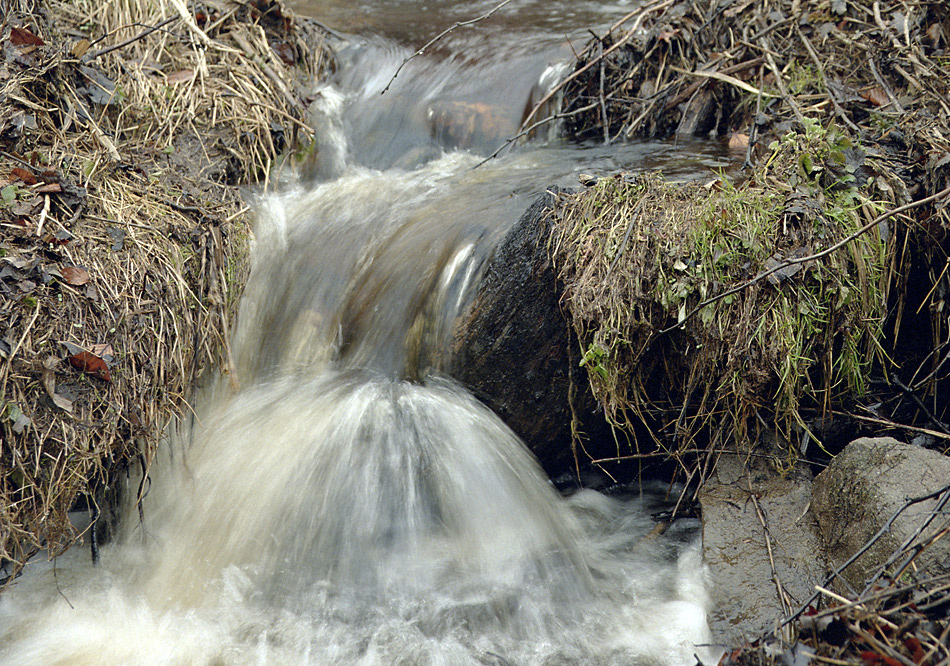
column 638, row 256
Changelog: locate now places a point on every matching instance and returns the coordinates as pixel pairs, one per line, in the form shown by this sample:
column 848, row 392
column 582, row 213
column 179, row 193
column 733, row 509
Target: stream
column 341, row 500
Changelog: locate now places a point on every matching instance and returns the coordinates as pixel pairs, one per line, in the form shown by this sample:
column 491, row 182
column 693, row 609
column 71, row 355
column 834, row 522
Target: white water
column 348, row 504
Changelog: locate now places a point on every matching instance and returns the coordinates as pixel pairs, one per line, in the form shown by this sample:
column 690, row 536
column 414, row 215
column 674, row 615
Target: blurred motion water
column 345, row 503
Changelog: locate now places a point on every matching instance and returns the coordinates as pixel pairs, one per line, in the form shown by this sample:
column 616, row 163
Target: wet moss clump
column 733, row 309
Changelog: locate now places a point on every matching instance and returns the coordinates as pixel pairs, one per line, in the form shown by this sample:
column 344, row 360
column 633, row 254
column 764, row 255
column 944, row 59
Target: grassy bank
column 126, row 129
column 785, row 312
column 771, row 304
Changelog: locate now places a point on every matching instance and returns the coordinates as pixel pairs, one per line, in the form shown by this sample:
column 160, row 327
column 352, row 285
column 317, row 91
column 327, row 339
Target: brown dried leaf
column 23, row 175
column 286, row 53
column 79, row 48
column 49, row 188
column 876, row 96
column 23, row 37
column 75, row 275
column 738, row 141
column 181, row 76
column 91, row 364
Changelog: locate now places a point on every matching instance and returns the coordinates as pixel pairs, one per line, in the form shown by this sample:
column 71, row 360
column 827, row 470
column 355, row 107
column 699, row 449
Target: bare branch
column 460, row 24
column 812, row 257
column 144, row 33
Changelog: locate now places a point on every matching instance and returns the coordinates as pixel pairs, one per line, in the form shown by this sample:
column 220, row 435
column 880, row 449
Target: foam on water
column 338, row 500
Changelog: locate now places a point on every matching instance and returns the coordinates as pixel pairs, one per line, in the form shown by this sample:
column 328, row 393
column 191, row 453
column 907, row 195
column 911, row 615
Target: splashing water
column 349, row 504
column 328, row 513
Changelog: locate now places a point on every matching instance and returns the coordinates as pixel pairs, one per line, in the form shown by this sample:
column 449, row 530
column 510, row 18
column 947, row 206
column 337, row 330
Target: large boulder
column 760, row 545
column 862, row 489
column 513, row 347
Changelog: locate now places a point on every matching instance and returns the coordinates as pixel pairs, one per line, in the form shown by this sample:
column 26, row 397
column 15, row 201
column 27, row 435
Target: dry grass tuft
column 125, row 127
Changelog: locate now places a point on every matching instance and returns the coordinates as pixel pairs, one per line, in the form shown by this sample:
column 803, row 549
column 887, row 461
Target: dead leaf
column 49, row 383
column 22, row 120
column 91, row 364
column 26, row 207
column 23, row 175
column 738, row 142
column 181, row 76
column 780, row 270
column 23, row 37
column 75, row 275
column 61, row 237
column 62, row 402
column 876, row 96
column 101, row 89
column 49, row 188
column 20, row 420
column 79, row 48
column 286, row 53
column 118, row 238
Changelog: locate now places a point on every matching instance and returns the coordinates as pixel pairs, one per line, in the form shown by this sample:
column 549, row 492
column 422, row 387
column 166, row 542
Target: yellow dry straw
column 151, row 122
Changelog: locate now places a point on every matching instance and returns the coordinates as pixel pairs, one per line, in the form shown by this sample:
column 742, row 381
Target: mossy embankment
column 126, row 129
column 785, row 312
column 808, row 290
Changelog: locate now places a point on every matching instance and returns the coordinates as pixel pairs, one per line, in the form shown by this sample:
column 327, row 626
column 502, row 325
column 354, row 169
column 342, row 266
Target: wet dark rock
column 466, row 124
column 862, row 489
column 513, row 348
column 743, row 506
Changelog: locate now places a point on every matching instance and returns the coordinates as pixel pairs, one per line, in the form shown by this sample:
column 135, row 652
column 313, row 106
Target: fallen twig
column 885, row 528
column 131, row 40
column 802, row 260
column 421, row 51
column 531, row 128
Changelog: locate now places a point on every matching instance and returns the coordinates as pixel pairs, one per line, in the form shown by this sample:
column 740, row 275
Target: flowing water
column 347, row 502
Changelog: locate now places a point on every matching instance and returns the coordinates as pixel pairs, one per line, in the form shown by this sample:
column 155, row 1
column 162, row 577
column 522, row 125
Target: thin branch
column 531, row 128
column 141, row 35
column 620, row 42
column 812, row 257
column 893, row 424
column 421, row 51
column 866, row 547
column 940, row 425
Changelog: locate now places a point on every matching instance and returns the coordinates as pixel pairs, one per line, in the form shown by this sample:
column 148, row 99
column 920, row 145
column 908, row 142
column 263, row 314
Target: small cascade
column 340, row 501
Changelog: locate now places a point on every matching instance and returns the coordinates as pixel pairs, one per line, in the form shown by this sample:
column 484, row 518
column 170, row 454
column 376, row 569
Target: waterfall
column 339, row 500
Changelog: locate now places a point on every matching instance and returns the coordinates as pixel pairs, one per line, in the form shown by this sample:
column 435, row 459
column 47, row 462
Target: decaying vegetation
column 125, row 129
column 820, row 279
column 892, row 624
